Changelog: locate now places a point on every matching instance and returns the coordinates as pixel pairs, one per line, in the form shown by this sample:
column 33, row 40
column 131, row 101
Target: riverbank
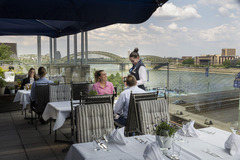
column 221, row 108
column 203, row 70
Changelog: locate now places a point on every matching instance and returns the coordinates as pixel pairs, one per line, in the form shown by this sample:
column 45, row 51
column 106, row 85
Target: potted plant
column 92, row 93
column 19, row 82
column 3, row 84
column 164, row 132
column 11, row 89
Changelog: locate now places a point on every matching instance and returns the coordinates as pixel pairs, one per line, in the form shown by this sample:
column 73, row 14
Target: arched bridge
column 106, row 57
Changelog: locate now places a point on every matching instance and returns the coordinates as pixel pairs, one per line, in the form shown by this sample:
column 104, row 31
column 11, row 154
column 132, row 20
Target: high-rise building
column 229, row 52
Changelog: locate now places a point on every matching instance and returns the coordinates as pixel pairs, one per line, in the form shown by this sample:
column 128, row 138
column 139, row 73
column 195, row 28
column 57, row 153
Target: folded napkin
column 189, row 130
column 153, row 152
column 233, row 144
column 117, row 136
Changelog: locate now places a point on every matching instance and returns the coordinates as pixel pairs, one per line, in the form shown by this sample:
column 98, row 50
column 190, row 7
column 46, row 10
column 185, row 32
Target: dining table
column 59, row 111
column 23, row 96
column 208, row 146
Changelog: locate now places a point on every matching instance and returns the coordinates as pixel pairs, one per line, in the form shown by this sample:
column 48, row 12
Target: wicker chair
column 132, row 125
column 93, row 119
column 92, row 116
column 78, row 88
column 41, row 100
column 150, row 113
column 58, row 93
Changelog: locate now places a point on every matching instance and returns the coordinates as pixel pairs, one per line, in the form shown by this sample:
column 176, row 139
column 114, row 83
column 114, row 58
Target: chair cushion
column 93, row 119
column 150, row 113
column 59, row 93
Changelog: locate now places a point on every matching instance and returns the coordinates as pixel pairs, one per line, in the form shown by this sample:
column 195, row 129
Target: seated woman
column 101, row 85
column 41, row 73
column 30, row 79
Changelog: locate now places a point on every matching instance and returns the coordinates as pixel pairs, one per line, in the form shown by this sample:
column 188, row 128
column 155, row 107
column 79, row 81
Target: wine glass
column 106, row 137
column 234, row 126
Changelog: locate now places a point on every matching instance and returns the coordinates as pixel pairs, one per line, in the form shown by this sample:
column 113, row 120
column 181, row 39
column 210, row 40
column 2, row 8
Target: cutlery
column 101, row 145
column 172, row 158
column 212, row 154
column 208, row 132
column 138, row 140
column 142, row 141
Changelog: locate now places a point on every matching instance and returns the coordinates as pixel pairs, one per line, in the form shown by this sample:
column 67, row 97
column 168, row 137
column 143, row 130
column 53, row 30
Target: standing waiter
column 138, row 69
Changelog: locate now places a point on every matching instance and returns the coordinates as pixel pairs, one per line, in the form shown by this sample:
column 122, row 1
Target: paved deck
column 21, row 141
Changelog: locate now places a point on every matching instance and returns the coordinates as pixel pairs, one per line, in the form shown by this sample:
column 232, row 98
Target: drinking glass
column 106, row 137
column 176, row 151
column 96, row 141
column 234, row 126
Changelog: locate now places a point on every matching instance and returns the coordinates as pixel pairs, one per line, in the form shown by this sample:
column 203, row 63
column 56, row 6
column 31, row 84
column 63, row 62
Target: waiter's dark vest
column 135, row 73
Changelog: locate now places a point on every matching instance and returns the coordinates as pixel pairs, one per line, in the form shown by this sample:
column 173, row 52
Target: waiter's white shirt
column 142, row 72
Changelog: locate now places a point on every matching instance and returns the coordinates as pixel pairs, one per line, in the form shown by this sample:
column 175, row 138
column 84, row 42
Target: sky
column 179, row 28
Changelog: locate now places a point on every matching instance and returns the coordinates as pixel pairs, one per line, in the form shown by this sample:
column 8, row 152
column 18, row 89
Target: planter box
column 6, row 103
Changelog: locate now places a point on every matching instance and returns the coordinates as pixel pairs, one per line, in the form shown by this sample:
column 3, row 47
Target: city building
column 58, row 55
column 227, row 54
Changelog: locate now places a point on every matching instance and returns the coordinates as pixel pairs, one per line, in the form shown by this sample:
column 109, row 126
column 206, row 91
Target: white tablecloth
column 192, row 148
column 59, row 111
column 23, row 97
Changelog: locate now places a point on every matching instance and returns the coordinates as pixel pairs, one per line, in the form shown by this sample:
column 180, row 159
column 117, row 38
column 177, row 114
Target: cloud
column 223, row 32
column 173, row 26
column 171, row 12
column 156, row 28
column 228, row 8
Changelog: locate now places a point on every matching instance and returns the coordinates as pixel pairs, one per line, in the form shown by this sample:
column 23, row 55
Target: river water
column 187, row 82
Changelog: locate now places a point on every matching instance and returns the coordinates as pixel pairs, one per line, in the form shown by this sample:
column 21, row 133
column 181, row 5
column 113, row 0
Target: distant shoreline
column 232, row 71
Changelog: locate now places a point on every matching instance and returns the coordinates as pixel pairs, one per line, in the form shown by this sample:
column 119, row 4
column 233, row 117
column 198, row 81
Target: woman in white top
column 138, row 69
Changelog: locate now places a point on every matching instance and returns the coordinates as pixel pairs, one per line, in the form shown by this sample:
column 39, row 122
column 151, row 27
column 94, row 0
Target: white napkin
column 189, row 130
column 117, row 136
column 233, row 144
column 153, row 152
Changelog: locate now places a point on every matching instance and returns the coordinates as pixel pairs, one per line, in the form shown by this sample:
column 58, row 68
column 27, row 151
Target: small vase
column 164, row 141
column 12, row 91
column 2, row 89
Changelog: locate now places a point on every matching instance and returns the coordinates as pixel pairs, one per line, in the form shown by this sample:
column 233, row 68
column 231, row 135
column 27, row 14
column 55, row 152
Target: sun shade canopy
column 56, row 18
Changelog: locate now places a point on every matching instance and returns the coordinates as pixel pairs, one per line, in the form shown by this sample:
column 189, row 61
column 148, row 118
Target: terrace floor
column 21, row 141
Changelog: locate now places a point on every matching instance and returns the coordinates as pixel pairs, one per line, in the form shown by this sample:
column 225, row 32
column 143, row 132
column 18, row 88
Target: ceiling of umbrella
column 56, row 18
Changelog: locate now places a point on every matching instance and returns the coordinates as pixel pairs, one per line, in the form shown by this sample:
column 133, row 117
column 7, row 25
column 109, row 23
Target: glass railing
column 209, row 100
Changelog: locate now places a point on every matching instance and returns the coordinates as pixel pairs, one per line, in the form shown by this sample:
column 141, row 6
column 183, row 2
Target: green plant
column 11, row 87
column 189, row 61
column 164, row 128
column 92, row 93
column 56, row 81
column 19, row 82
column 1, row 72
column 3, row 83
column 5, row 52
column 117, row 81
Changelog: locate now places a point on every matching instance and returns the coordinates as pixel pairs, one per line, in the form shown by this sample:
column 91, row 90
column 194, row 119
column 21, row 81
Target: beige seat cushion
column 150, row 113
column 93, row 119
